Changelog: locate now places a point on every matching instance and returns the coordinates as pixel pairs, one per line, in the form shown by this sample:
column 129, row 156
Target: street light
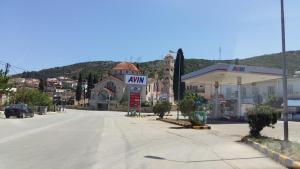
column 284, row 77
column 179, row 82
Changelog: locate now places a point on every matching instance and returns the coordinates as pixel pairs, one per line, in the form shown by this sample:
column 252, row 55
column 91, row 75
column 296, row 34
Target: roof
column 126, row 66
column 228, row 73
column 109, row 78
column 151, row 80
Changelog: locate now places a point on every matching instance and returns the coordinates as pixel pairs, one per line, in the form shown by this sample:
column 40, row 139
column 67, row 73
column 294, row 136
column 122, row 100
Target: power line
column 11, row 65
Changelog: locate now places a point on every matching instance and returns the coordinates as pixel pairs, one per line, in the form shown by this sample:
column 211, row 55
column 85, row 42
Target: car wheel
column 22, row 115
column 32, row 115
column 7, row 116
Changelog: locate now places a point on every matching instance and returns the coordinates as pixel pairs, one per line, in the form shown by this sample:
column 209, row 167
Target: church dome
column 126, row 66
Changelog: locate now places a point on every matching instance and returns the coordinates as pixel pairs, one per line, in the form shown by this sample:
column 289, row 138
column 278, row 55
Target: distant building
column 17, row 82
column 53, row 82
column 153, row 89
column 112, row 89
column 32, row 83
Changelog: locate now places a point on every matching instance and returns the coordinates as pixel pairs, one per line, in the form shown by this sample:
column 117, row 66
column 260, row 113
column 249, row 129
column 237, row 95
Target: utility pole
column 179, row 83
column 7, row 66
column 284, row 77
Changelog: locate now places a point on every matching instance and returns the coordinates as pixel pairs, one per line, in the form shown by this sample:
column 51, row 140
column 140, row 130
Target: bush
column 187, row 106
column 33, row 97
column 274, row 101
column 161, row 108
column 146, row 104
column 261, row 116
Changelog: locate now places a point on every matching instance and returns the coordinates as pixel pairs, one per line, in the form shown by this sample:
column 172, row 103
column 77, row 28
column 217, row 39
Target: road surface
column 81, row 139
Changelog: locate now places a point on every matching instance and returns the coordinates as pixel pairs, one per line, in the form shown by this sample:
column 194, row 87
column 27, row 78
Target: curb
column 282, row 159
column 141, row 116
column 184, row 125
column 173, row 122
column 201, row 127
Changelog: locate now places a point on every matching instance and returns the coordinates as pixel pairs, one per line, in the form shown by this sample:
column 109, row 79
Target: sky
column 38, row 34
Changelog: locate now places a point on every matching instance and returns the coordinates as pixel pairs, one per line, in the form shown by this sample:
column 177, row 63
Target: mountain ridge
column 102, row 68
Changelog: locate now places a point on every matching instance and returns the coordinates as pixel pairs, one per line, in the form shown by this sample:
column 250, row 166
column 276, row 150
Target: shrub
column 161, row 108
column 261, row 116
column 33, row 97
column 146, row 104
column 187, row 107
column 274, row 101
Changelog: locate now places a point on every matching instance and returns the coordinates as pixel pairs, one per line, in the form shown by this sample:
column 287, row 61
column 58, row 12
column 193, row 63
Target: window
column 255, row 91
column 244, row 92
column 271, row 90
column 290, row 89
column 228, row 92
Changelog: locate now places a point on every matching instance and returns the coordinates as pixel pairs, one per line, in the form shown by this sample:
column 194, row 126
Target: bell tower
column 168, row 71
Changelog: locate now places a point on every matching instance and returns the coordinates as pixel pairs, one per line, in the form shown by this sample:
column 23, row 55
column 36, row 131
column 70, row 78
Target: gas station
column 229, row 74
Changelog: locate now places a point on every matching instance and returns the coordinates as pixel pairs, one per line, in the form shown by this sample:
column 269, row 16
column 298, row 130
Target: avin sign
column 135, row 84
column 135, row 80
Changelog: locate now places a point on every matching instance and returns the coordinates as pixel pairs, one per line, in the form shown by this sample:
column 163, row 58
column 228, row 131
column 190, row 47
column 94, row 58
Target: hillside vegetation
column 102, row 68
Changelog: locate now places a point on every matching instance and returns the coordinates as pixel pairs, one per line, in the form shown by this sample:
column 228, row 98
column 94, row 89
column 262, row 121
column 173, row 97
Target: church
column 111, row 92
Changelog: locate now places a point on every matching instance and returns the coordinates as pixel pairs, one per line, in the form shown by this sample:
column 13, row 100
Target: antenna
column 220, row 53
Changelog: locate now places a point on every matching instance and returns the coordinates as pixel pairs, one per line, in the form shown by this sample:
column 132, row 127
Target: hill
column 102, row 68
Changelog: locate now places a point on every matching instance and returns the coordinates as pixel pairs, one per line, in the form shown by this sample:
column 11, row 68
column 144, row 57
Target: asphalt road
column 108, row 140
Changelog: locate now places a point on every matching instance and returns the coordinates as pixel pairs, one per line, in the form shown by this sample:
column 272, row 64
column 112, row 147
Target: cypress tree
column 90, row 85
column 79, row 88
column 236, row 61
column 42, row 85
column 176, row 77
column 95, row 80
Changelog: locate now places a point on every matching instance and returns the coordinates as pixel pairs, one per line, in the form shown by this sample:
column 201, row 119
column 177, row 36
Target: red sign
column 135, row 101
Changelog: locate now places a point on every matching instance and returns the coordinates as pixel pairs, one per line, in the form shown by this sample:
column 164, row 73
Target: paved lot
column 277, row 132
column 242, row 129
column 96, row 140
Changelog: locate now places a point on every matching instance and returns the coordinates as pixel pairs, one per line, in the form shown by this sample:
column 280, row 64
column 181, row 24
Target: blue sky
column 37, row 34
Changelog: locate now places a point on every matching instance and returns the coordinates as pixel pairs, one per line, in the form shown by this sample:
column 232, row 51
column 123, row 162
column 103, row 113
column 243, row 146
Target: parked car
column 18, row 110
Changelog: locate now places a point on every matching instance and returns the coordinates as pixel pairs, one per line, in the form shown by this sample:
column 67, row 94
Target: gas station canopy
column 228, row 74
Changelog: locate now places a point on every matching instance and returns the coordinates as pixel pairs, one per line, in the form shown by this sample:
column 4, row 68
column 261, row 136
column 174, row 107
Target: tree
column 161, row 108
column 4, row 87
column 177, row 75
column 236, row 61
column 90, row 86
column 95, row 80
column 33, row 97
column 42, row 85
column 79, row 88
column 261, row 116
column 187, row 106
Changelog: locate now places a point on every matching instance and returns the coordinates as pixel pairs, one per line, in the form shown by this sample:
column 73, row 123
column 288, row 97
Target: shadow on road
column 181, row 127
column 224, row 121
column 201, row 161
